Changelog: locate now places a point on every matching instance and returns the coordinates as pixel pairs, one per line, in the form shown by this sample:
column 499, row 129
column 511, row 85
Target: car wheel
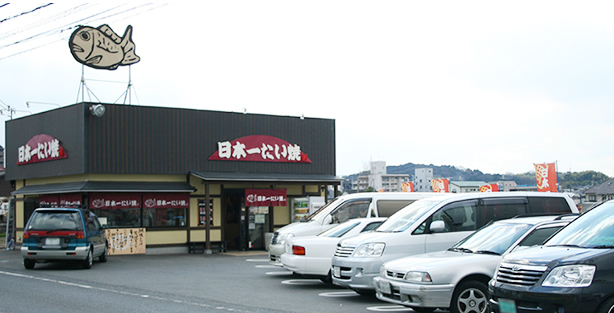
column 89, row 260
column 29, row 264
column 103, row 257
column 606, row 307
column 328, row 279
column 470, row 297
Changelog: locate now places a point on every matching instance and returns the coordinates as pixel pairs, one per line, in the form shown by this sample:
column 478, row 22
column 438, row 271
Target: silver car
column 456, row 279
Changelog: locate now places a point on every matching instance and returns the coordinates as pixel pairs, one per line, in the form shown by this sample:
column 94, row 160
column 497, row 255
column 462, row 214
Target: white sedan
column 312, row 255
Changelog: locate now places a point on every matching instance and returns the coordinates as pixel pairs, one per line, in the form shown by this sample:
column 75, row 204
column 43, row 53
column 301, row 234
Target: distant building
column 598, row 194
column 378, row 179
column 466, row 186
column 505, row 185
column 422, row 180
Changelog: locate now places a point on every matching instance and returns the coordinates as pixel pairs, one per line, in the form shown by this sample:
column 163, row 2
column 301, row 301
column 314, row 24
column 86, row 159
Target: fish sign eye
column 85, row 36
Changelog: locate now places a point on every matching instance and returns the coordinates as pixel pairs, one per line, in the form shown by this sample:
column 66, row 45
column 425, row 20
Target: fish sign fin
column 94, row 60
column 105, row 29
column 127, row 45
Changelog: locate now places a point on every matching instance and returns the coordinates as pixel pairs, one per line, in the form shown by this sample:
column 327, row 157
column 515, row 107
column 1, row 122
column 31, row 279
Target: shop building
column 155, row 169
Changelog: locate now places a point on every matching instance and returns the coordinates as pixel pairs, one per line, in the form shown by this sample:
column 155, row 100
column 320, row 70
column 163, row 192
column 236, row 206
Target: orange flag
column 408, row 187
column 546, row 177
column 489, row 188
column 440, row 185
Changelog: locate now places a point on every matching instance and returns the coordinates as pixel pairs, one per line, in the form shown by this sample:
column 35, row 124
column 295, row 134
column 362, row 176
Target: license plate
column 385, row 287
column 52, row 241
column 337, row 271
column 507, row 306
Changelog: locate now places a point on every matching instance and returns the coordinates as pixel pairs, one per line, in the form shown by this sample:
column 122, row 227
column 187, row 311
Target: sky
column 484, row 85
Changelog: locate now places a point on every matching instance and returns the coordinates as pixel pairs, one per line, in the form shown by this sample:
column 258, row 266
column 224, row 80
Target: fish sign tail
column 127, row 45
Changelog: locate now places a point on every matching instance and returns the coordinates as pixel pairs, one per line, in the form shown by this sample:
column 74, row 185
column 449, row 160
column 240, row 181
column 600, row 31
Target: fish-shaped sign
column 102, row 48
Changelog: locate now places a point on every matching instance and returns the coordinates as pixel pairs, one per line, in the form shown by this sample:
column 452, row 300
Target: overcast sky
column 485, row 85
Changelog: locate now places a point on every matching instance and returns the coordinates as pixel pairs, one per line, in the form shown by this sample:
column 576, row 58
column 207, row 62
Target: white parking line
column 302, row 282
column 390, row 308
column 278, row 273
column 339, row 294
column 268, row 266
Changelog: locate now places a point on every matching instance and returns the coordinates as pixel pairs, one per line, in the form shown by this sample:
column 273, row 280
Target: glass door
column 258, row 225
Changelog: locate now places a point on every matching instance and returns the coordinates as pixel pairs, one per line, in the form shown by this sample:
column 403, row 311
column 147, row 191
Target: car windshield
column 340, row 229
column 493, row 239
column 404, row 218
column 322, row 210
column 55, row 220
column 594, row 229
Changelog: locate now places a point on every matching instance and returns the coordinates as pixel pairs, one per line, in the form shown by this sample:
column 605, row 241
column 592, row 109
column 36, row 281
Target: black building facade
column 156, row 168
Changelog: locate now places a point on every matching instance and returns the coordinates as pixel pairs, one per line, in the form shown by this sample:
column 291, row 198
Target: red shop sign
column 68, row 200
column 40, row 148
column 259, row 148
column 115, row 201
column 266, row 197
column 166, row 200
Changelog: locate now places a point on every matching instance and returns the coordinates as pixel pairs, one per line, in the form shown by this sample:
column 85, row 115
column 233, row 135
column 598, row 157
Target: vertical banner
column 408, row 187
column 440, row 185
column 545, row 174
column 489, row 188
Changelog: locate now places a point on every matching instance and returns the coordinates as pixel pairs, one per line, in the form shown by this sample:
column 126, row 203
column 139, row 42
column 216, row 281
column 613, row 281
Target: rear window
column 55, row 220
column 549, row 205
column 385, row 208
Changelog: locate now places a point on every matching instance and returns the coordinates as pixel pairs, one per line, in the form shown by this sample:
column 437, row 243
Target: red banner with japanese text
column 115, row 201
column 440, row 185
column 489, row 188
column 66, row 200
column 545, row 175
column 265, row 197
column 168, row 200
column 408, row 187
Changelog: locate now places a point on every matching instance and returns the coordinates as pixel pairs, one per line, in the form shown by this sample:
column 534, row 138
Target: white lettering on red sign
column 239, row 151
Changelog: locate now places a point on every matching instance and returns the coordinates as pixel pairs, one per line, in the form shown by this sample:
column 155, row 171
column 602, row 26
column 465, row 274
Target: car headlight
column 418, row 277
column 373, row 249
column 281, row 239
column 570, row 276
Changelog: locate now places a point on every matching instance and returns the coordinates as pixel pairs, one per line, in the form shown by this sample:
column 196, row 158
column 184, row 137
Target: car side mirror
column 437, row 226
column 328, row 219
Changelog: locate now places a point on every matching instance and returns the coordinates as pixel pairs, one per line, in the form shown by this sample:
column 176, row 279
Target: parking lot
column 233, row 281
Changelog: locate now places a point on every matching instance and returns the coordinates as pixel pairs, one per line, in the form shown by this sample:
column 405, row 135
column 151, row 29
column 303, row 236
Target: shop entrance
column 257, row 225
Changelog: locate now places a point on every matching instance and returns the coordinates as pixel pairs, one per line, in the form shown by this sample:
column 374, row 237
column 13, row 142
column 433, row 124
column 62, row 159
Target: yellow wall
column 166, row 237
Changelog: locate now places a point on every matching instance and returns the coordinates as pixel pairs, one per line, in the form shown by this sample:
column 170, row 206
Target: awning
column 267, row 177
column 104, row 186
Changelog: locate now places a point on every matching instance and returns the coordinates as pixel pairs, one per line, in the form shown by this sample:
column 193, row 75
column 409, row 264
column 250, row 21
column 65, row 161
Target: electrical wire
column 24, row 13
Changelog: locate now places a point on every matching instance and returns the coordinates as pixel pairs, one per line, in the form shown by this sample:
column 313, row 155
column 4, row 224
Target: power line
column 24, row 13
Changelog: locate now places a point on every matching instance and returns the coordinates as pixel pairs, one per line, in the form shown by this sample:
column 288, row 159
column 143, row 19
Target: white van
column 343, row 208
column 433, row 224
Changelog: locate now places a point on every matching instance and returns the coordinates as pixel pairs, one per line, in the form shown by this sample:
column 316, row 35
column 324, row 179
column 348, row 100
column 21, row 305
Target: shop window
column 119, row 217
column 164, row 217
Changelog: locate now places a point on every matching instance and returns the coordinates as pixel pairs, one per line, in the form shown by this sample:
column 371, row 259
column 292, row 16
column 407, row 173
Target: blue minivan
column 63, row 234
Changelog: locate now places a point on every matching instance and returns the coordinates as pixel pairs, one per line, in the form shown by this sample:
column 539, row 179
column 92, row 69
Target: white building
column 378, row 179
column 422, row 180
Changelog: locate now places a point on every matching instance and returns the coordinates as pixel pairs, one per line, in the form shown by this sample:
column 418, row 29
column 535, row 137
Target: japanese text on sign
column 259, row 148
column 40, row 148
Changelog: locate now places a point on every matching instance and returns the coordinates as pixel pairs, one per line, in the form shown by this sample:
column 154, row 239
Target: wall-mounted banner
column 545, row 175
column 266, row 197
column 69, row 200
column 440, row 185
column 489, row 188
column 408, row 187
column 115, row 200
column 166, row 200
column 259, row 148
column 40, row 148
column 102, row 48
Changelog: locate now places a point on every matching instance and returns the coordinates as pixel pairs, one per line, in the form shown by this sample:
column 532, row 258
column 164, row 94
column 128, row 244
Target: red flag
column 408, row 187
column 490, row 188
column 440, row 185
column 546, row 177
